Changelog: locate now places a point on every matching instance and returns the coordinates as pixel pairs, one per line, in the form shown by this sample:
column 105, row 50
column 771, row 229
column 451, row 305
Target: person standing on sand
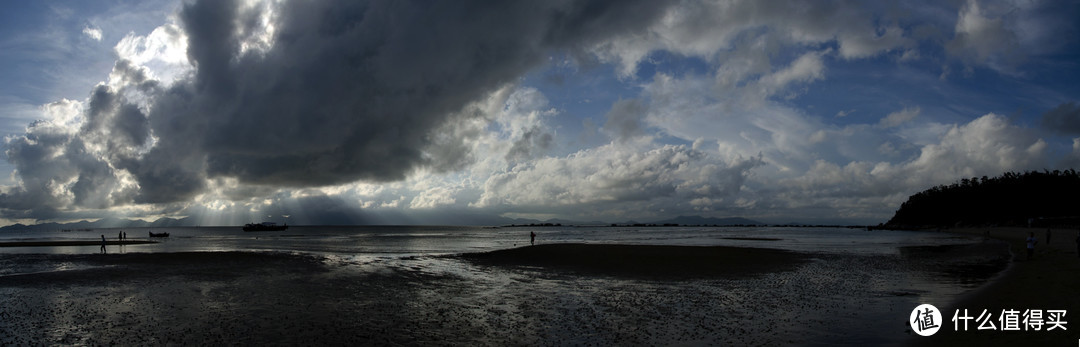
column 102, row 244
column 1031, row 244
column 532, row 238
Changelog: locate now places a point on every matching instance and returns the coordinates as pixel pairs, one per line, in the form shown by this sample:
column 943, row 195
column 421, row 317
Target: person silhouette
column 102, row 244
column 1031, row 245
column 532, row 238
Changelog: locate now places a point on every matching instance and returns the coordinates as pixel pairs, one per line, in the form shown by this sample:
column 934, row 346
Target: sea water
column 441, row 240
column 859, row 287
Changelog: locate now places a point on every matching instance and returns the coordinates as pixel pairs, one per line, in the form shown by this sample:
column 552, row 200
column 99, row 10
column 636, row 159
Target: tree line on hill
column 1032, row 198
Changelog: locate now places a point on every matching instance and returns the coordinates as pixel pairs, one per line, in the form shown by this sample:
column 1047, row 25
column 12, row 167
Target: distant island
column 1033, row 198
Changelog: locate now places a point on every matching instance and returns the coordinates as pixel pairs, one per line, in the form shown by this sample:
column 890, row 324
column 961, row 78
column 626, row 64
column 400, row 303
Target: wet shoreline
column 505, row 297
column 1048, row 281
column 642, row 261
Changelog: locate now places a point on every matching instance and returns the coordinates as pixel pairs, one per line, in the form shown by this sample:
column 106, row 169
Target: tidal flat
column 569, row 294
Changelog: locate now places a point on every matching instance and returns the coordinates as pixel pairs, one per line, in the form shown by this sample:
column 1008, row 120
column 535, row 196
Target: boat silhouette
column 265, row 226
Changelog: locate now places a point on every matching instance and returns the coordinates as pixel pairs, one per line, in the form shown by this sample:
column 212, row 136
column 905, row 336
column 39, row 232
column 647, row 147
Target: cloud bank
column 301, row 95
column 359, row 109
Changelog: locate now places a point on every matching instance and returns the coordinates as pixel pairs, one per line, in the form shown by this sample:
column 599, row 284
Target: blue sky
column 462, row 112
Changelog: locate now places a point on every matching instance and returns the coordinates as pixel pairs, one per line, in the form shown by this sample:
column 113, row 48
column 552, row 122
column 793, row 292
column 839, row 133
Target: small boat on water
column 152, row 234
column 265, row 226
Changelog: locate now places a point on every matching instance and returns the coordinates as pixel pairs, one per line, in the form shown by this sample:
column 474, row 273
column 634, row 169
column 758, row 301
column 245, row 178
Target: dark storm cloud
column 62, row 168
column 343, row 91
column 354, row 90
column 34, row 153
column 57, row 172
column 1064, row 119
column 122, row 126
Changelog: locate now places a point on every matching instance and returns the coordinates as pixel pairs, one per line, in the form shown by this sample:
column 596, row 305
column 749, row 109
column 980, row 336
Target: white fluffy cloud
column 711, row 29
column 616, row 181
column 986, row 146
column 900, row 117
column 92, row 33
column 163, row 51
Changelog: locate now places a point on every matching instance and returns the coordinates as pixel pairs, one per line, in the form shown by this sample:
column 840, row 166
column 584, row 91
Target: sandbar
column 71, row 243
column 646, row 260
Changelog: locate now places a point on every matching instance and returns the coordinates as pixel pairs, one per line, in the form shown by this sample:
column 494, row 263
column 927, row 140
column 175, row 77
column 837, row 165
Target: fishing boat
column 152, row 234
column 265, row 226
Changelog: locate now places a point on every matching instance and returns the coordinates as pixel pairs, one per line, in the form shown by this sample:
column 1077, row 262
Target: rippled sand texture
column 283, row 299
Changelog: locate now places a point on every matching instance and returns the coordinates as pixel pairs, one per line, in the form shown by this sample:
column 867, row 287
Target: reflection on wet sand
column 284, row 298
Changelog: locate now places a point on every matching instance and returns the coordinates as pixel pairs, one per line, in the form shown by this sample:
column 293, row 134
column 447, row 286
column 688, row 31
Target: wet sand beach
column 1049, row 281
column 286, row 299
column 557, row 294
column 639, row 261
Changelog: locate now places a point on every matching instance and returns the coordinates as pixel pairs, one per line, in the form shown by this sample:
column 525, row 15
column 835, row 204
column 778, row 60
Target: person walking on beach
column 102, row 244
column 1031, row 244
column 532, row 238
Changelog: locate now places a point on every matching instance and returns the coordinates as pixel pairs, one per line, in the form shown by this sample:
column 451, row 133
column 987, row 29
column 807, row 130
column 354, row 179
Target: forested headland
column 1033, row 198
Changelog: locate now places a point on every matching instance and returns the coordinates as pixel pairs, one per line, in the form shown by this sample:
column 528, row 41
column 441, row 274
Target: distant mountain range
column 103, row 223
column 106, row 223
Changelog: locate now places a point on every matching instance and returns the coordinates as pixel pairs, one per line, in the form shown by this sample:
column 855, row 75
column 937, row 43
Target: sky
column 464, row 112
